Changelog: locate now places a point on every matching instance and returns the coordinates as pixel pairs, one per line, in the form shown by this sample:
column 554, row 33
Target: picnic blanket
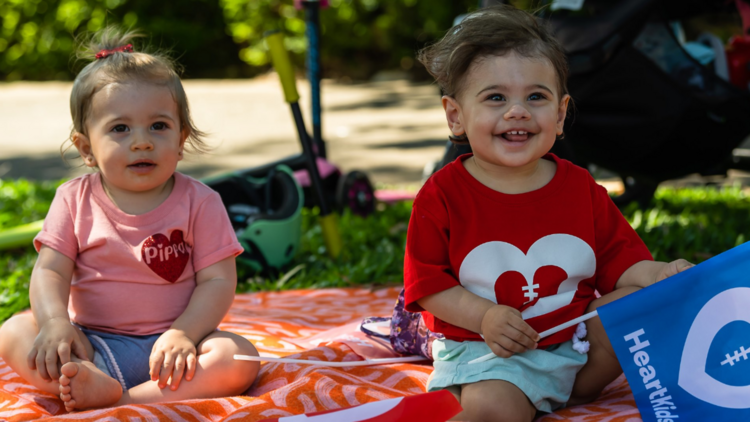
column 275, row 322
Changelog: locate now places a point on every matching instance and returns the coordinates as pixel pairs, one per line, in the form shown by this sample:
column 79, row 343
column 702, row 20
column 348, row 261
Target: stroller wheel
column 354, row 191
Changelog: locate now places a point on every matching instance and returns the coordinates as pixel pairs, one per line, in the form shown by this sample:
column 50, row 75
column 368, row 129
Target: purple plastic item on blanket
column 409, row 335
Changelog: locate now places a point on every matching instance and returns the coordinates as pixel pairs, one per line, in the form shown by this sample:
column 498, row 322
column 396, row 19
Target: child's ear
column 184, row 134
column 562, row 112
column 453, row 115
column 83, row 145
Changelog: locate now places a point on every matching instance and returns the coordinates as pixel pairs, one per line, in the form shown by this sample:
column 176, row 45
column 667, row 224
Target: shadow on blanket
column 277, row 322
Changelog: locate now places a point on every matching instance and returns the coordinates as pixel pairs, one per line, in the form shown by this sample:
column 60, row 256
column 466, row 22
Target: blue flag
column 684, row 342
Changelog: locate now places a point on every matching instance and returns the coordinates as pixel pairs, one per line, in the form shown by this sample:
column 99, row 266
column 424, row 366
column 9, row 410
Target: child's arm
column 646, row 273
column 502, row 327
column 174, row 353
column 49, row 291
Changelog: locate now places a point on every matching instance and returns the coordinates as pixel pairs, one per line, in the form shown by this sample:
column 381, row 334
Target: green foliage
column 691, row 223
column 224, row 38
column 373, row 253
column 21, row 202
column 220, row 39
column 15, row 272
column 358, row 37
column 37, row 36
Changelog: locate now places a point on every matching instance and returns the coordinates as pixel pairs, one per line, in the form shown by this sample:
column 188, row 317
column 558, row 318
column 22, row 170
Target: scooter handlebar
column 283, row 65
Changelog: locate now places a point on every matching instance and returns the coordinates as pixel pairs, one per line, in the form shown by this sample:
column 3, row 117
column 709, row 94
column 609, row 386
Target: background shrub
column 358, row 37
column 37, row 36
column 216, row 39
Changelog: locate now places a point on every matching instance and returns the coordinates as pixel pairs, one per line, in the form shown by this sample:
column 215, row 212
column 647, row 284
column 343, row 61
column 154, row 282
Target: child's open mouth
column 142, row 167
column 516, row 135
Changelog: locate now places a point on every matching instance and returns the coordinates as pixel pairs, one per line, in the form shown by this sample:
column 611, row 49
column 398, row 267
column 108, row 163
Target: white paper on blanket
column 438, row 406
column 363, row 345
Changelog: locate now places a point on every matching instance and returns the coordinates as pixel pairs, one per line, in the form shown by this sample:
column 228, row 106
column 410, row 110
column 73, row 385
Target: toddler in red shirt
column 511, row 240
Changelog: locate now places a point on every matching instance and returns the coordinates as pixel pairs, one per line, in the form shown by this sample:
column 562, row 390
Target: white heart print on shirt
column 485, row 263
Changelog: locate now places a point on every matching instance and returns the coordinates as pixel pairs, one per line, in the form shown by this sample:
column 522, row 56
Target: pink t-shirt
column 135, row 274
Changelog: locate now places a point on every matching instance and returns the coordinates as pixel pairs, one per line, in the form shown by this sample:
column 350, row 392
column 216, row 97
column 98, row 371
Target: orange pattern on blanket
column 267, row 319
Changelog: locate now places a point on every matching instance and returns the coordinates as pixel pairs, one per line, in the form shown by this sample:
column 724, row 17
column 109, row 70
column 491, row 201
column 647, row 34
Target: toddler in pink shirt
column 136, row 261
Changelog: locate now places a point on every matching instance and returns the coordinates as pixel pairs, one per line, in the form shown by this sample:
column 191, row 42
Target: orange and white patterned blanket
column 270, row 320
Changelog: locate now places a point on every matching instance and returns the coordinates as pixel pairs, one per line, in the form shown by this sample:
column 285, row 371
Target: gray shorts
column 124, row 358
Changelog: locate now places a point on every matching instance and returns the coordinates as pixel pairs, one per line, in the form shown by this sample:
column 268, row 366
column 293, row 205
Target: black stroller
column 644, row 108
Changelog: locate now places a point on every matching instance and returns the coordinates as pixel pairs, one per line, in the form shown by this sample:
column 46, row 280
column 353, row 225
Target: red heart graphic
column 547, row 277
column 166, row 257
column 511, row 281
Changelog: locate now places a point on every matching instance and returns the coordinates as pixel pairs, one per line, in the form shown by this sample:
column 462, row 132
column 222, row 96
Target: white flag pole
column 366, row 362
column 544, row 334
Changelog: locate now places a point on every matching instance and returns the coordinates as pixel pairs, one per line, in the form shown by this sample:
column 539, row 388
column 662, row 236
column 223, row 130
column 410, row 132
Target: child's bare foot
column 84, row 386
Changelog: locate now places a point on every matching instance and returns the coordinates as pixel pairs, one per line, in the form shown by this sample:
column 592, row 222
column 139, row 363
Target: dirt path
column 388, row 129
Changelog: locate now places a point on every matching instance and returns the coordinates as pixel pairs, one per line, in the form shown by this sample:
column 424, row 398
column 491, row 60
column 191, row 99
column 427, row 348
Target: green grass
column 21, row 202
column 691, row 223
column 373, row 253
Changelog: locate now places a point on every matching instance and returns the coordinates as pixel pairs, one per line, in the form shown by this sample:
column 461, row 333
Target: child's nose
column 517, row 111
column 141, row 142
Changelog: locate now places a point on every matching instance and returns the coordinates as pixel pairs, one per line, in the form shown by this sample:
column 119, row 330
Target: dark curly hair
column 492, row 31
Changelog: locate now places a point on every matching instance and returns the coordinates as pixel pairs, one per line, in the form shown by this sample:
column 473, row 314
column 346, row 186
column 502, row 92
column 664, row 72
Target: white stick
column 544, row 334
column 570, row 323
column 366, row 362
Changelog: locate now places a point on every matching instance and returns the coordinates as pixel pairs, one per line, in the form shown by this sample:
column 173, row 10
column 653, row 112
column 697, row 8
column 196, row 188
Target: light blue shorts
column 545, row 376
column 124, row 358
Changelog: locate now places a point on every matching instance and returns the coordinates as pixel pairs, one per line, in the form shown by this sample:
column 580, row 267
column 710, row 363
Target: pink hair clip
column 106, row 53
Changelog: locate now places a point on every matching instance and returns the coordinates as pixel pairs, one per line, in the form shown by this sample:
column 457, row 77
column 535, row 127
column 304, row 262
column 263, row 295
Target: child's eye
column 159, row 126
column 537, row 96
column 496, row 97
column 120, row 128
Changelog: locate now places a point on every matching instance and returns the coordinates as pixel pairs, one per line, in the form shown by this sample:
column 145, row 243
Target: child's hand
column 56, row 339
column 172, row 356
column 505, row 331
column 671, row 268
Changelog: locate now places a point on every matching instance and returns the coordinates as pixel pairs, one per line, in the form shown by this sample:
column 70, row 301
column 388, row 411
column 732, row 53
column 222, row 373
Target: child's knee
column 239, row 374
column 248, row 370
column 495, row 410
column 14, row 331
column 506, row 403
column 226, row 345
column 456, row 391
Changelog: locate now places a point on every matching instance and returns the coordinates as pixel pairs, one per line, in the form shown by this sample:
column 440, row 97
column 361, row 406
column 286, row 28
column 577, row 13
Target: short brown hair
column 492, row 31
column 151, row 67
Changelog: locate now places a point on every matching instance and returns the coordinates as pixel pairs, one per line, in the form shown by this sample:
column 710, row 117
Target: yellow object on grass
column 20, row 235
column 331, row 235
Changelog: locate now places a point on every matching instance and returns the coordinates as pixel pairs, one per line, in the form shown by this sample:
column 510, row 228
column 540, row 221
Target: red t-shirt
column 543, row 252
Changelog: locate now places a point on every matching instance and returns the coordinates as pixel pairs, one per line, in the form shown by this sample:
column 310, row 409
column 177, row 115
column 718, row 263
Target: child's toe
column 70, row 405
column 69, row 370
